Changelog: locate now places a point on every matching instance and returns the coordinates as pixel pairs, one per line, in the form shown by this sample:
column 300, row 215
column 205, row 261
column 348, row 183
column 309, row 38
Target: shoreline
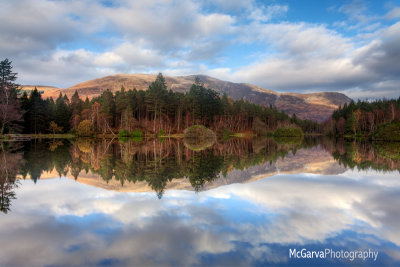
column 11, row 137
column 25, row 137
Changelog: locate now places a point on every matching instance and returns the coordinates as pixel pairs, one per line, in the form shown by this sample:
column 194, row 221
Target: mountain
column 314, row 106
column 45, row 90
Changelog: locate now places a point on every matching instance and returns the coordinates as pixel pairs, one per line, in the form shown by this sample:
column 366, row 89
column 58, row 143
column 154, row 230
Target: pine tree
column 76, row 110
column 107, row 108
column 76, row 104
column 155, row 99
column 205, row 102
column 62, row 113
column 37, row 116
column 86, row 104
column 10, row 113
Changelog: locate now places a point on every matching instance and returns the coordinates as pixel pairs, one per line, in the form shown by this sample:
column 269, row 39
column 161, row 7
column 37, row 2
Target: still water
column 239, row 202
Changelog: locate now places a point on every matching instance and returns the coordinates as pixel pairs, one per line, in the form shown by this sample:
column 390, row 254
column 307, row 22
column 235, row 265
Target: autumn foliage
column 363, row 118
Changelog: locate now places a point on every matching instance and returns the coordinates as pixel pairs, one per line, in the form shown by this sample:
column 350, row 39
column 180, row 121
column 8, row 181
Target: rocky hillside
column 315, row 106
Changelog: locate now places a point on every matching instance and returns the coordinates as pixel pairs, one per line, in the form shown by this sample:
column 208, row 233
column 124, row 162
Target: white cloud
column 137, row 56
column 265, row 14
column 108, row 59
column 394, row 13
column 306, row 56
column 28, row 28
column 291, row 75
column 311, row 57
column 168, row 25
column 65, row 42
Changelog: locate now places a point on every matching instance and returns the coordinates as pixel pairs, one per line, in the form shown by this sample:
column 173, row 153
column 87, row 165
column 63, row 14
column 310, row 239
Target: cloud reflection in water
column 61, row 222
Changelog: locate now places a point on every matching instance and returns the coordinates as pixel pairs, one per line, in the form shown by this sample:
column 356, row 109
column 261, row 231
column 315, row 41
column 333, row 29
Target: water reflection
column 169, row 164
column 319, row 194
column 154, row 163
column 239, row 224
column 383, row 156
column 9, row 167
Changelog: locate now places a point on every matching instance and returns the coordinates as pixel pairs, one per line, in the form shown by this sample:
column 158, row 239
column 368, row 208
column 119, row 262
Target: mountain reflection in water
column 319, row 194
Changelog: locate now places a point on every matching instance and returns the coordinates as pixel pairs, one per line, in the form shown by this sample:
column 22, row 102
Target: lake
column 237, row 202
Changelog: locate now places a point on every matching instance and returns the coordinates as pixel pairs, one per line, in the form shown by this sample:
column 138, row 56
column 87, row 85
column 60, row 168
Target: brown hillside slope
column 45, row 90
column 315, row 106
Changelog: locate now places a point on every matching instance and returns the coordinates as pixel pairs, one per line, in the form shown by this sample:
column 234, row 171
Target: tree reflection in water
column 158, row 163
column 10, row 161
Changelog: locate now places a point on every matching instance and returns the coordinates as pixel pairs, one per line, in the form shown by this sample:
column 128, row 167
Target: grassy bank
column 37, row 136
column 288, row 132
column 177, row 135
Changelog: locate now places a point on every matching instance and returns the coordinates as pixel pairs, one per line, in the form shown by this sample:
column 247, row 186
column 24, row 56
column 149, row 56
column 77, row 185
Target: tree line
column 362, row 117
column 156, row 110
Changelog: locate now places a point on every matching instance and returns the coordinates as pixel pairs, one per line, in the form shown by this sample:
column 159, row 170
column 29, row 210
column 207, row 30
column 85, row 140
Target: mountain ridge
column 313, row 106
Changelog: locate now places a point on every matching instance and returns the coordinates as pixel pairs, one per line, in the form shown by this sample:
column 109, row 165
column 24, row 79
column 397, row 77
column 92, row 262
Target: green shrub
column 161, row 133
column 123, row 133
column 137, row 133
column 226, row 134
column 198, row 137
column 288, row 132
column 198, row 131
column 137, row 138
column 289, row 140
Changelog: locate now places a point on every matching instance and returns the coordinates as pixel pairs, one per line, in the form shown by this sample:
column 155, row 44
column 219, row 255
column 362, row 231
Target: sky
column 303, row 46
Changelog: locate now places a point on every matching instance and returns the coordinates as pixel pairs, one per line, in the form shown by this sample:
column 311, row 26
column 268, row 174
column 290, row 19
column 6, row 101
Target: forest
column 378, row 119
column 156, row 111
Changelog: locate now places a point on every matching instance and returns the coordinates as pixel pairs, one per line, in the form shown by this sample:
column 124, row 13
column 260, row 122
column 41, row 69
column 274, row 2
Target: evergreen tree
column 226, row 107
column 86, row 104
column 76, row 104
column 50, row 107
column 155, row 99
column 10, row 114
column 62, row 113
column 205, row 102
column 107, row 108
column 37, row 116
